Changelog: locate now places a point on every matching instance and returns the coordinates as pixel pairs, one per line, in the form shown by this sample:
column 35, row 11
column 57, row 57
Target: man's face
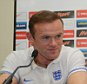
column 48, row 39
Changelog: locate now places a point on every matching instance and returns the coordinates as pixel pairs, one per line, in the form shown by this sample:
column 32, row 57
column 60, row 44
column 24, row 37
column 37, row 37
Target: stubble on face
column 49, row 49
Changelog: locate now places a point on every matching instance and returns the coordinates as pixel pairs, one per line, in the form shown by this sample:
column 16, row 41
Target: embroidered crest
column 57, row 75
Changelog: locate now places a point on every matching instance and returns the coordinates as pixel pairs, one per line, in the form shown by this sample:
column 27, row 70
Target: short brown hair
column 42, row 17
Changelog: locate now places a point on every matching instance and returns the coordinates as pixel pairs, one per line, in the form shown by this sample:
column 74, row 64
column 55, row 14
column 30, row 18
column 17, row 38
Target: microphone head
column 34, row 53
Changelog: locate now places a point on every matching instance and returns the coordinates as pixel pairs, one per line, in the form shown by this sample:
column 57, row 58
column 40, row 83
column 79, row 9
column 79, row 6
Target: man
column 54, row 64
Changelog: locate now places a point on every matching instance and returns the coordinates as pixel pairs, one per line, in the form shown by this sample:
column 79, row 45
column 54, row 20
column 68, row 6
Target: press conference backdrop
column 73, row 13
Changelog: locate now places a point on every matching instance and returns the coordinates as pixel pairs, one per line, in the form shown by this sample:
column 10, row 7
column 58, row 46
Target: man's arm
column 79, row 77
column 4, row 76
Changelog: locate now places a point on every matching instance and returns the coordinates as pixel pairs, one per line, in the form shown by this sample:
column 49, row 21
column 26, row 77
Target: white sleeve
column 76, row 62
column 10, row 64
column 15, row 59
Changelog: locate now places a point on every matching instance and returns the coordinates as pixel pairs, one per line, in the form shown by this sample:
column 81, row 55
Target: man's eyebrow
column 59, row 33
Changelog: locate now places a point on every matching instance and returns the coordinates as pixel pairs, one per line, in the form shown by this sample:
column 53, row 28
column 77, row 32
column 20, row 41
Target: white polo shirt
column 69, row 61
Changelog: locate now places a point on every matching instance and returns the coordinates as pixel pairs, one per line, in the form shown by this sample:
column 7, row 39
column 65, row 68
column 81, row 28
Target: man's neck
column 42, row 61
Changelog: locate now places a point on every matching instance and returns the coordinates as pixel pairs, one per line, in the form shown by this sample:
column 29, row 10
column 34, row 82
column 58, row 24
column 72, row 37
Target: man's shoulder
column 69, row 49
column 19, row 57
column 24, row 51
column 21, row 54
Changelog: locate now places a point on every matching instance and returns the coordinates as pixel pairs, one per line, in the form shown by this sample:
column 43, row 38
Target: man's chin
column 52, row 58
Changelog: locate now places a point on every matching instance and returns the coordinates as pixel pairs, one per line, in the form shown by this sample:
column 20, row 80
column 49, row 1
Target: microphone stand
column 9, row 79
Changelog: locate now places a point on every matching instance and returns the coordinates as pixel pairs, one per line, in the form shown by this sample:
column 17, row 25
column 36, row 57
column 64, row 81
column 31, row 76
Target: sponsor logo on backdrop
column 31, row 13
column 68, row 33
column 84, row 52
column 21, row 35
column 69, row 24
column 81, row 43
column 65, row 14
column 68, row 43
column 81, row 23
column 62, row 14
column 82, row 33
column 21, row 25
column 81, row 13
column 21, row 44
column 21, row 16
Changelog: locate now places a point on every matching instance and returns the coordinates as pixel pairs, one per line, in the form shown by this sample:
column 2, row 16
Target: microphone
column 9, row 79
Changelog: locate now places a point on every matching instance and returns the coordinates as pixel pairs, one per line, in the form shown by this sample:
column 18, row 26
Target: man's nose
column 53, row 41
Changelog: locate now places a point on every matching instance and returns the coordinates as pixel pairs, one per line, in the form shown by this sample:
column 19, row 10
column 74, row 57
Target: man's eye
column 46, row 37
column 58, row 36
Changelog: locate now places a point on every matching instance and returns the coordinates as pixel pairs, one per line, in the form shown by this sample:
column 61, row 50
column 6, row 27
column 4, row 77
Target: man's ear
column 28, row 35
column 30, row 38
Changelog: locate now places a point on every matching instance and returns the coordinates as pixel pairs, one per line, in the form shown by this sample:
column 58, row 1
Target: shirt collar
column 34, row 65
